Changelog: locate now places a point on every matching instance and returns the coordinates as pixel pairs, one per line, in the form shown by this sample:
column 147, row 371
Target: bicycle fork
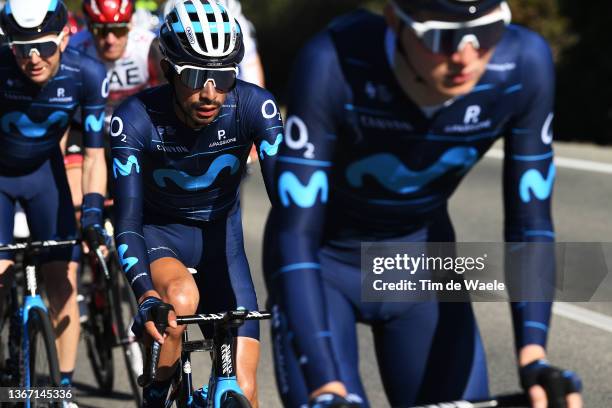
column 31, row 300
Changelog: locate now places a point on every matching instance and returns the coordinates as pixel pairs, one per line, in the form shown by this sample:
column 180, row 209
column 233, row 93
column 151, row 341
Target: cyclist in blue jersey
column 385, row 117
column 179, row 151
column 42, row 85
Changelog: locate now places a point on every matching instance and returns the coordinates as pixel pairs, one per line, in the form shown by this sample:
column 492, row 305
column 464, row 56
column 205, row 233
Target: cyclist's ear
column 66, row 38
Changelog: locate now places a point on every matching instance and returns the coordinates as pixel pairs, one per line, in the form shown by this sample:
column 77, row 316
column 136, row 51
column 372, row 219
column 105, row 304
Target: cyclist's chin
column 39, row 75
column 453, row 88
column 111, row 55
column 199, row 120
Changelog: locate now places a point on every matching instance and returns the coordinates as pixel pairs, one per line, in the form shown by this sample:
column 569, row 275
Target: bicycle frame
column 223, row 373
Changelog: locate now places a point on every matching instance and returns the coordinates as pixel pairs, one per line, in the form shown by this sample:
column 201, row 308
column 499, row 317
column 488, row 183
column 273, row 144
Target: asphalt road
column 582, row 211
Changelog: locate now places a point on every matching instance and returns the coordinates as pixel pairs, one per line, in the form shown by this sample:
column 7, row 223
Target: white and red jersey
column 129, row 74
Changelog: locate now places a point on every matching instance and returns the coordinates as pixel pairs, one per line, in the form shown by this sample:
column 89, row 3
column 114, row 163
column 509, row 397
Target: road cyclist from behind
column 385, row 118
column 42, row 83
column 179, row 152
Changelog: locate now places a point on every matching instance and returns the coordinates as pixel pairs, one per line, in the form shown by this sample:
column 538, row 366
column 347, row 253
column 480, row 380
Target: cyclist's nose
column 35, row 58
column 467, row 53
column 208, row 91
column 110, row 38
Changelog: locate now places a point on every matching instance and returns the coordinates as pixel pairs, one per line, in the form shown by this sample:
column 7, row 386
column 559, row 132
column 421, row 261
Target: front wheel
column 99, row 331
column 43, row 364
column 234, row 400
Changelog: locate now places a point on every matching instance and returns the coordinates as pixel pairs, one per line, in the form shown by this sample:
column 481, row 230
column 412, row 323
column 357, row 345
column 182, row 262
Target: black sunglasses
column 223, row 79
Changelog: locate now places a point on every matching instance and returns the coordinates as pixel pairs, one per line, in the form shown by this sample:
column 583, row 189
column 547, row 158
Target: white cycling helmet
column 201, row 32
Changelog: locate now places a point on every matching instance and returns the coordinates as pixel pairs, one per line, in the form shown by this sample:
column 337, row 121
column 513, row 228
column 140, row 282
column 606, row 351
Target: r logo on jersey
column 221, row 134
column 472, row 113
column 61, row 92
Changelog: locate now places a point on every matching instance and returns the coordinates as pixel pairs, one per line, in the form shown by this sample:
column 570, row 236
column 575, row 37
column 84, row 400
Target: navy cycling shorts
column 427, row 351
column 44, row 194
column 215, row 250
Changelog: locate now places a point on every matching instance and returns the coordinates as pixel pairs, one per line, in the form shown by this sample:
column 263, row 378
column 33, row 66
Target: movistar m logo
column 128, row 262
column 533, row 182
column 192, row 183
column 28, row 128
column 392, row 174
column 270, row 149
column 303, row 196
column 94, row 124
column 125, row 169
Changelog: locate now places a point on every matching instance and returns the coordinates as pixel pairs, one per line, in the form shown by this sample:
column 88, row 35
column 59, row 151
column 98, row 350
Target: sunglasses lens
column 102, row 30
column 45, row 49
column 448, row 41
column 196, row 79
column 224, row 80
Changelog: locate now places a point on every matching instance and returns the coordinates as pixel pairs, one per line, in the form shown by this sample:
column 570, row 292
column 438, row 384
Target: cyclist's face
column 111, row 44
column 200, row 106
column 449, row 75
column 41, row 69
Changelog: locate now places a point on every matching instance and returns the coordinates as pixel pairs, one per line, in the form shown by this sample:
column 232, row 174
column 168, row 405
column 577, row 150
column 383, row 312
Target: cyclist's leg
column 430, row 352
column 225, row 283
column 169, row 247
column 51, row 216
column 72, row 147
column 433, row 353
column 176, row 286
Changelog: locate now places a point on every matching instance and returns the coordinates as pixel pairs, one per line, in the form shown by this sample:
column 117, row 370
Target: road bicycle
column 32, row 360
column 111, row 305
column 222, row 390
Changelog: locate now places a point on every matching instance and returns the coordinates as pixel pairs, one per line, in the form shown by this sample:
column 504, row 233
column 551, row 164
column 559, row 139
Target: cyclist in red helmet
column 130, row 54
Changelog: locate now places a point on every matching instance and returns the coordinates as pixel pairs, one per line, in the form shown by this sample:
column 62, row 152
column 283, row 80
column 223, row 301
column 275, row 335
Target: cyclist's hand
column 148, row 312
column 329, row 400
column 95, row 237
column 551, row 387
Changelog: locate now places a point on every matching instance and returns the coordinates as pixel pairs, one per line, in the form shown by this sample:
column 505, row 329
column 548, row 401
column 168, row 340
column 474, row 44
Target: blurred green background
column 578, row 32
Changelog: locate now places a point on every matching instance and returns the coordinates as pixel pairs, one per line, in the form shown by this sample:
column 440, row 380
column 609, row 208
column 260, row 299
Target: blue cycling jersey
column 361, row 161
column 165, row 170
column 33, row 119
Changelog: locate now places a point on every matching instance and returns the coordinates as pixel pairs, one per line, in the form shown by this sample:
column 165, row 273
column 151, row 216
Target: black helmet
column 33, row 17
column 461, row 9
column 202, row 33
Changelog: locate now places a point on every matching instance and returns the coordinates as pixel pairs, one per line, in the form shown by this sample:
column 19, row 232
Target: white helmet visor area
column 445, row 37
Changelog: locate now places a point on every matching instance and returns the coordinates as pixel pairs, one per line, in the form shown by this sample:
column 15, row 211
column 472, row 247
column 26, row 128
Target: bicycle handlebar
column 507, row 401
column 231, row 318
column 216, row 317
column 37, row 245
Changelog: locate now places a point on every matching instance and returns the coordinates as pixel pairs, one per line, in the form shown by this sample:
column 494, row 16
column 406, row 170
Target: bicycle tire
column 131, row 349
column 233, row 399
column 44, row 365
column 99, row 332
